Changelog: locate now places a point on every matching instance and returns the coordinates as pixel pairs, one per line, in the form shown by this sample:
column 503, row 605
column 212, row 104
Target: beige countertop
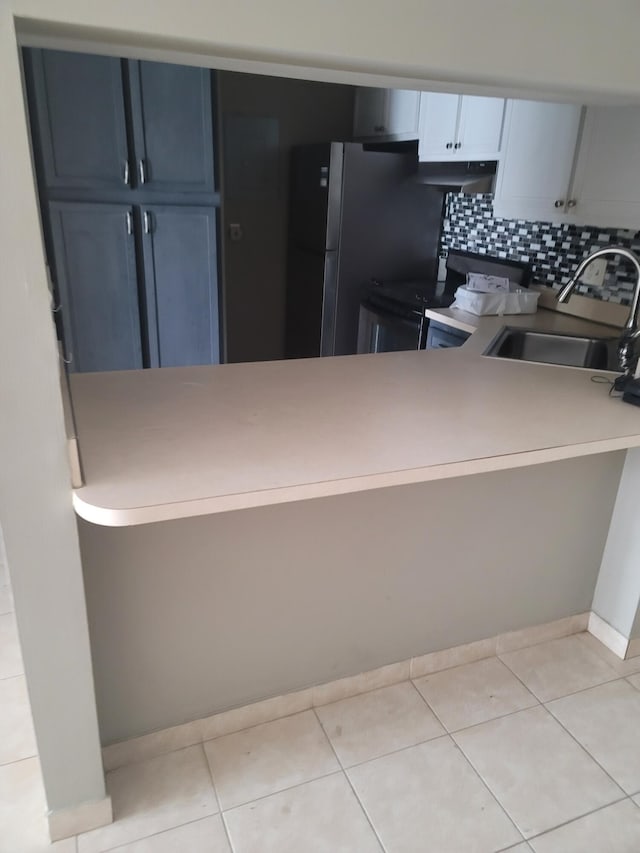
column 177, row 442
column 484, row 329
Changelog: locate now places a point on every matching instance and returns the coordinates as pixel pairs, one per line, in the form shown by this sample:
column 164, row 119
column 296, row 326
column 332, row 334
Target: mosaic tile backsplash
column 554, row 251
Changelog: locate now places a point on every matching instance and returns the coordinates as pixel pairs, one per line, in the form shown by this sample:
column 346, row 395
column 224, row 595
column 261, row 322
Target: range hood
column 464, row 177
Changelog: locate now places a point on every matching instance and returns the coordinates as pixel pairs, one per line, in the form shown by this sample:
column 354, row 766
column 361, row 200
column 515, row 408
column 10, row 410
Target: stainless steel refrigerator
column 355, row 215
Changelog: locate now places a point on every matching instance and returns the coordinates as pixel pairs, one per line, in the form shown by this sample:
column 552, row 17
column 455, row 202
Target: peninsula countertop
column 177, row 442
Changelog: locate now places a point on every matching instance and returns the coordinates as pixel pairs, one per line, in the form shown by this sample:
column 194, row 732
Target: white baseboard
column 178, row 737
column 609, row 636
column 64, row 823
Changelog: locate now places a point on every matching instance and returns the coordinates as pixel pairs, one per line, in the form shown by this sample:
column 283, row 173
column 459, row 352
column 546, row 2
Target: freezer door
column 389, row 230
column 315, row 203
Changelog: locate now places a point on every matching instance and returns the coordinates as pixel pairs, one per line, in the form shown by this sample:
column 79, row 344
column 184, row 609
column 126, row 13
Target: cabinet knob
column 559, row 202
column 379, row 128
column 458, row 145
column 572, row 202
column 449, row 145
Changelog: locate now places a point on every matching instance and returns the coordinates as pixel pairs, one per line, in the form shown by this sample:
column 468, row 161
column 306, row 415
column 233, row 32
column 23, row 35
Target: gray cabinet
column 179, row 250
column 125, row 155
column 78, row 110
column 172, row 127
column 95, row 266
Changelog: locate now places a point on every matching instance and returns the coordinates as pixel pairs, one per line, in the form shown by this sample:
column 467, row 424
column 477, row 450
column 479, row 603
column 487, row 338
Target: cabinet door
column 537, row 160
column 181, row 284
column 369, row 114
column 172, row 123
column 94, row 258
column 438, row 124
column 79, row 118
column 479, row 128
column 606, row 189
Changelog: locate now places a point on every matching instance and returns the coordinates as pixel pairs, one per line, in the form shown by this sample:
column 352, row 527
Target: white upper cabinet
column 386, row 113
column 554, row 170
column 438, row 126
column 606, row 187
column 480, row 127
column 534, row 174
column 459, row 127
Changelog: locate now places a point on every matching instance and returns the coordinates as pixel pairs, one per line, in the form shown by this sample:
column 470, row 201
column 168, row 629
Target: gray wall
column 262, row 118
column 273, row 599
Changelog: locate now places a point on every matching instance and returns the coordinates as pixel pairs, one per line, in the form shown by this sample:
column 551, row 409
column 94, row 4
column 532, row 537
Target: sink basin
column 554, row 348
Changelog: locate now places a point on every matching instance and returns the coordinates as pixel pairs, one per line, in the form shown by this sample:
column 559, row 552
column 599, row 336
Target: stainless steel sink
column 554, row 348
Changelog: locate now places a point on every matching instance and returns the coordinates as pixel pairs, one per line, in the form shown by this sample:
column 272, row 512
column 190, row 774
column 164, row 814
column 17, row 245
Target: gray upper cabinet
column 80, row 115
column 97, row 284
column 172, row 127
column 179, row 251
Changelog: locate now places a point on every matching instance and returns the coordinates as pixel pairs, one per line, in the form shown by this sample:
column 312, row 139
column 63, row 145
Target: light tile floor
column 534, row 750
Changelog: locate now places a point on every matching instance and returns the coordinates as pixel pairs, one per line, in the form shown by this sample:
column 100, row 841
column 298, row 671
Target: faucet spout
column 631, row 325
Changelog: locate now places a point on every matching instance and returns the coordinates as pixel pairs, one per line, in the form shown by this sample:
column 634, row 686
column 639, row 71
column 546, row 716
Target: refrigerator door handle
column 329, row 301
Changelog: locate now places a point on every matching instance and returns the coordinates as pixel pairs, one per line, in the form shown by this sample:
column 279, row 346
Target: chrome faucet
column 631, row 332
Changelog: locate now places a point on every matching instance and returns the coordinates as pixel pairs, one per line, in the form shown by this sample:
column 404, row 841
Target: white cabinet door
column 479, row 128
column 389, row 113
column 537, row 160
column 438, row 126
column 606, row 189
column 369, row 112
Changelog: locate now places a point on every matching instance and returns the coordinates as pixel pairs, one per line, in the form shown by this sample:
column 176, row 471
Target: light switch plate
column 594, row 273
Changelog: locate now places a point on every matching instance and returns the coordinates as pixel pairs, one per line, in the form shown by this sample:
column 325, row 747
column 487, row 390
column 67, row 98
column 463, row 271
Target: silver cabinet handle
column 125, row 175
column 559, row 202
column 129, row 222
column 379, row 128
column 146, row 222
column 142, row 172
column 572, row 202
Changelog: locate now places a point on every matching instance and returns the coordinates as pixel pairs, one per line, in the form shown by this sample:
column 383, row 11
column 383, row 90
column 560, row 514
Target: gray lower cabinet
column 179, row 255
column 95, row 270
column 78, row 113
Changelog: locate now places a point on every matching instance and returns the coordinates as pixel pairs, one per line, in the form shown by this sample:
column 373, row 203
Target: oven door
column 389, row 330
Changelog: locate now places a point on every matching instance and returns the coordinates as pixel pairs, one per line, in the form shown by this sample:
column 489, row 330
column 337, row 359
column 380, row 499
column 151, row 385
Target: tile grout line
column 544, row 705
column 576, row 819
column 602, row 652
column 349, row 783
column 482, row 722
column 280, row 791
column 217, row 796
column 445, row 734
column 144, row 837
column 584, row 748
column 564, row 695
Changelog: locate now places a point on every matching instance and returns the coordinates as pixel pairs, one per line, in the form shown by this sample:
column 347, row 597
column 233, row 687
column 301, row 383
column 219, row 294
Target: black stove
column 392, row 312
column 412, row 296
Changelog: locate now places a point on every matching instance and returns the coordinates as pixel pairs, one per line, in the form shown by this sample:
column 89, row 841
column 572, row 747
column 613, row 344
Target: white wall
column 617, row 594
column 561, row 47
